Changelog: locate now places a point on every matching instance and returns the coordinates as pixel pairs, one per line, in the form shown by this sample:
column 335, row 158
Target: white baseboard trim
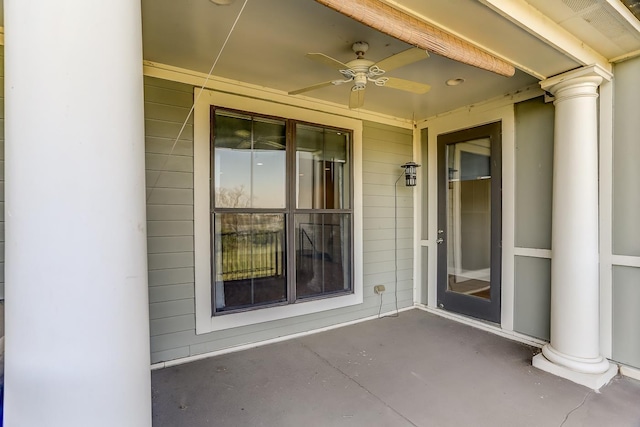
column 630, row 372
column 512, row 335
column 183, row 360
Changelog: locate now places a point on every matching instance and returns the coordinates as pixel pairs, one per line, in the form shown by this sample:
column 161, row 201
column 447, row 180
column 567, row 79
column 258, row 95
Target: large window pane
column 336, row 163
column 249, row 162
column 249, row 262
column 322, row 168
column 309, row 167
column 323, row 253
column 269, row 164
column 232, row 161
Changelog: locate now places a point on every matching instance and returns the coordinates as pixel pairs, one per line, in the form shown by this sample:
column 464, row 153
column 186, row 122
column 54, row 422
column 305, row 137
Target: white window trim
column 205, row 321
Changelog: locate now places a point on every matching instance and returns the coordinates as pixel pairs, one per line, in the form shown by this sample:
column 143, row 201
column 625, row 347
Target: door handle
column 439, row 240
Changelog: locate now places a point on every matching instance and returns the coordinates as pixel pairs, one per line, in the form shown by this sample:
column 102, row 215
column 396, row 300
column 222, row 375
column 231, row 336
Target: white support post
column 77, row 325
column 574, row 351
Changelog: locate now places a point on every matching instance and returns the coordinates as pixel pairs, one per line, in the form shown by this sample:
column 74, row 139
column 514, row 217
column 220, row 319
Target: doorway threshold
column 484, row 325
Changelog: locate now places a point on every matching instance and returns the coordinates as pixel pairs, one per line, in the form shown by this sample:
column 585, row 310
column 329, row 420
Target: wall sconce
column 410, row 169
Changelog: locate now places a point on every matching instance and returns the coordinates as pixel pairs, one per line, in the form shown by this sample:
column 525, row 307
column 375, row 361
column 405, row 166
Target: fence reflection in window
column 249, row 260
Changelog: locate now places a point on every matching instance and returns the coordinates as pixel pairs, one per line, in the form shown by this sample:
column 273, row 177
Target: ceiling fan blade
column 401, row 59
column 356, row 99
column 407, row 85
column 308, row 88
column 327, row 60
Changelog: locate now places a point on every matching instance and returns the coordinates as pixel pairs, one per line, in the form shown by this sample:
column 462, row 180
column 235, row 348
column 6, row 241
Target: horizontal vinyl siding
column 385, row 149
column 169, row 177
column 170, row 232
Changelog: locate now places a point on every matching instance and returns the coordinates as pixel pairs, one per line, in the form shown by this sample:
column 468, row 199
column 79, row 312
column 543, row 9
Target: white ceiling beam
column 539, row 25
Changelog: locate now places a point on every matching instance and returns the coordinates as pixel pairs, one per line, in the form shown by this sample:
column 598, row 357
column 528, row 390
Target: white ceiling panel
column 268, row 45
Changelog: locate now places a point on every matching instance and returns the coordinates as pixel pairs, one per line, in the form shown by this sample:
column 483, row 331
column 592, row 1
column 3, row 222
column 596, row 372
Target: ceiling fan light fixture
column 360, row 80
column 455, row 82
column 362, row 70
column 222, row 2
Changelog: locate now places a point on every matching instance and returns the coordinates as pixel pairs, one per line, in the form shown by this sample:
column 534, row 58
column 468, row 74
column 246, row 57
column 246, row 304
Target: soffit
column 605, row 25
column 474, row 21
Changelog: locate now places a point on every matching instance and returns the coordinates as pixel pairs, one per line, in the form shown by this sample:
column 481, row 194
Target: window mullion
column 291, row 209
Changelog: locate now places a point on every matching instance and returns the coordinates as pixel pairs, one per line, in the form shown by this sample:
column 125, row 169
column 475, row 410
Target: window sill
column 246, row 318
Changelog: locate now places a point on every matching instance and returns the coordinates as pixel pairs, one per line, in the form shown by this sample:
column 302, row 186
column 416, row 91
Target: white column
column 77, row 328
column 574, row 351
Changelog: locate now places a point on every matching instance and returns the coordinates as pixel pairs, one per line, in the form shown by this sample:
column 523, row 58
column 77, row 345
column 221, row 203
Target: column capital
column 594, row 74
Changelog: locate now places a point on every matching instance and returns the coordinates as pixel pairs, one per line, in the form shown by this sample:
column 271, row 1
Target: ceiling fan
column 361, row 70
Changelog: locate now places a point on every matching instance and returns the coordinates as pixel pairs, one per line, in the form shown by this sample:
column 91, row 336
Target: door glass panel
column 469, row 217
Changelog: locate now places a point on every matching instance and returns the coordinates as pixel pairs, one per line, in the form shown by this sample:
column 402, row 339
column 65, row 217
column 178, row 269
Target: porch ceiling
column 268, row 46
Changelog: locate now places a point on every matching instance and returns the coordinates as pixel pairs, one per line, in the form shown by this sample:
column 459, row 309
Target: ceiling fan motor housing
column 360, row 81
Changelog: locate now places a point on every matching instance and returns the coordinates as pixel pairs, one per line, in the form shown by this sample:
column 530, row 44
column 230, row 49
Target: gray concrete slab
column 417, row 369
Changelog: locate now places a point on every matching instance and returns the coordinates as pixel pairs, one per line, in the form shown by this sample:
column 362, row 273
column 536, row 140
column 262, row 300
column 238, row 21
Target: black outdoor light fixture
column 410, row 169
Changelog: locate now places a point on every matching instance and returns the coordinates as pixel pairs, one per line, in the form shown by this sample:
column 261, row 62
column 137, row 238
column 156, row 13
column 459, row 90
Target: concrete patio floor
column 417, row 369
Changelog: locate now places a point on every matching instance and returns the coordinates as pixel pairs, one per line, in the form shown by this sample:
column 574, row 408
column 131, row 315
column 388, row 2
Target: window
column 325, row 205
column 282, row 216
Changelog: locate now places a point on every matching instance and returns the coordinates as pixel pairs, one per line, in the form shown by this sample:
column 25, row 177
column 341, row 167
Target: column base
column 593, row 381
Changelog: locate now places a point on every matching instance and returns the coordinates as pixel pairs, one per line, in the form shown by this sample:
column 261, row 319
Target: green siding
column 626, row 316
column 423, row 177
column 532, row 296
column 626, row 207
column 534, row 173
column 169, row 209
column 626, row 157
column 170, row 232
